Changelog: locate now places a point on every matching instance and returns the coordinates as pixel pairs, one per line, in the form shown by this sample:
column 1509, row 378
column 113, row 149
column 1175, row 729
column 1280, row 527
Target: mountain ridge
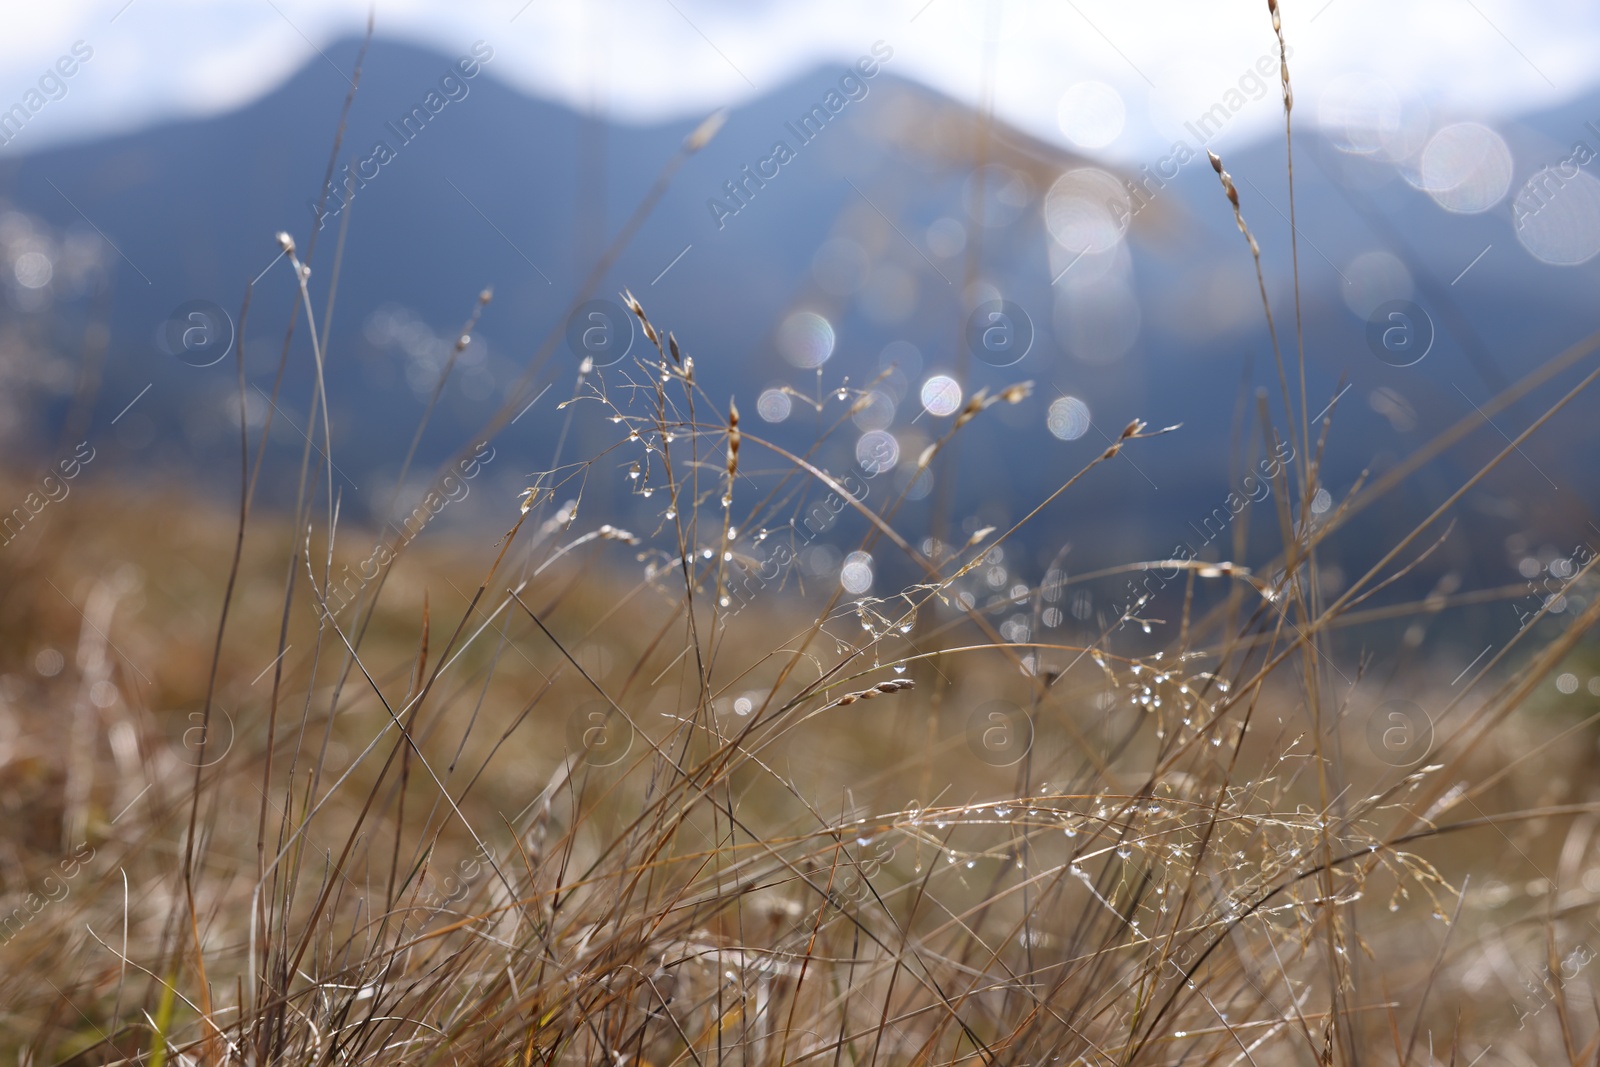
column 500, row 189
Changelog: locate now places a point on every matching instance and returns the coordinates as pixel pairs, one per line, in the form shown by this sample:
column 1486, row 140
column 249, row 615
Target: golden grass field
column 561, row 806
column 561, row 793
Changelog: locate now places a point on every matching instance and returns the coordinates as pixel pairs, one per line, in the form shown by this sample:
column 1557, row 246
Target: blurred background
column 918, row 200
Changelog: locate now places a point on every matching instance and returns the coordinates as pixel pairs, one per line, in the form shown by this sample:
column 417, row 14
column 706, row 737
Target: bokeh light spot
column 774, row 405
column 806, row 339
column 941, row 395
column 1068, row 418
column 1557, row 218
column 1466, row 168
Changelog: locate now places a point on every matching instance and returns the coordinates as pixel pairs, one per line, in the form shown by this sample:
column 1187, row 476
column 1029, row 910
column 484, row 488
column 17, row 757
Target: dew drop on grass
column 671, row 513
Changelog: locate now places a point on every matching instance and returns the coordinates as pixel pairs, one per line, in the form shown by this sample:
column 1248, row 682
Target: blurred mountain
column 893, row 216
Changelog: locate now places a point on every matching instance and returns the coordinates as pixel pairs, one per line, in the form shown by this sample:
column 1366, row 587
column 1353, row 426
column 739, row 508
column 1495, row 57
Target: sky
column 1114, row 78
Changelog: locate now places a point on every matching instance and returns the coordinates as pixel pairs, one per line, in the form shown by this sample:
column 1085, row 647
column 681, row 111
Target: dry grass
column 589, row 796
column 409, row 854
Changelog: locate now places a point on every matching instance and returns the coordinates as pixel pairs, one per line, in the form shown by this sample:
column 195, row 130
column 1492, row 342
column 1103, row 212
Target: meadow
column 279, row 788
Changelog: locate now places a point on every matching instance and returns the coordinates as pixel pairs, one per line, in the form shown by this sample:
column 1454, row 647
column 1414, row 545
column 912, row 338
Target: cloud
column 650, row 60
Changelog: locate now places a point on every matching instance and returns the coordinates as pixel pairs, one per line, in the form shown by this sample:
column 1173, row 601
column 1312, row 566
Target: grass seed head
column 703, row 133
